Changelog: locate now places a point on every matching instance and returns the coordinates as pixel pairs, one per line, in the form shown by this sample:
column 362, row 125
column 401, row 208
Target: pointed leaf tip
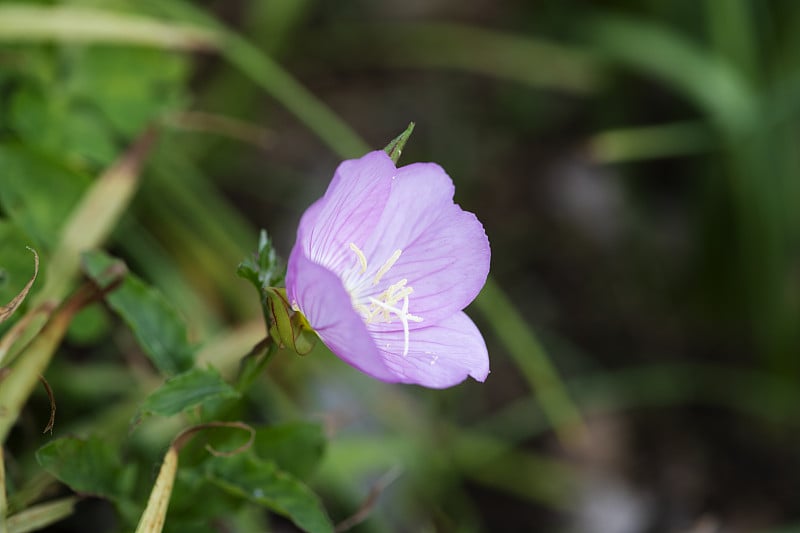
column 7, row 310
column 395, row 148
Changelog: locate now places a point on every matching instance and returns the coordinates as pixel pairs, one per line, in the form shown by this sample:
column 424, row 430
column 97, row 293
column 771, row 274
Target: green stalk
column 537, row 63
column 316, row 115
column 88, row 226
column 3, row 496
column 650, row 142
column 526, row 351
column 155, row 514
column 94, row 218
column 32, row 362
column 42, row 515
column 28, row 23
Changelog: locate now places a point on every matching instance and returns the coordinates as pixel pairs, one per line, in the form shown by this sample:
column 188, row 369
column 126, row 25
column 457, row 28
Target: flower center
column 386, row 306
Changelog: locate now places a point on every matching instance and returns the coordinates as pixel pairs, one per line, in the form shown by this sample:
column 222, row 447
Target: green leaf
column 89, row 326
column 159, row 330
column 37, row 193
column 296, row 447
column 261, row 482
column 395, row 148
column 48, row 120
column 187, row 390
column 191, row 487
column 131, row 86
column 103, row 269
column 263, row 268
column 88, row 466
column 671, row 56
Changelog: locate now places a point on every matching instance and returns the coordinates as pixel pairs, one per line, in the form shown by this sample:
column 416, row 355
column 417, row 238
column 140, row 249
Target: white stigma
column 382, row 307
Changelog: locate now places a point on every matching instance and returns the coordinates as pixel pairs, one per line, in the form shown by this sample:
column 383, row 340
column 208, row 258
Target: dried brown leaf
column 7, row 310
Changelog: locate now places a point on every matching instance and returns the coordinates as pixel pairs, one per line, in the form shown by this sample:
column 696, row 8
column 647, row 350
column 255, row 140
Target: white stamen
column 382, row 308
column 362, row 259
column 386, row 266
column 404, row 316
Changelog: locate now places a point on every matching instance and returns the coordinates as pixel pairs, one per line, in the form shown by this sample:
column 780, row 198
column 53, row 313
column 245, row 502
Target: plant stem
column 3, row 499
column 527, row 352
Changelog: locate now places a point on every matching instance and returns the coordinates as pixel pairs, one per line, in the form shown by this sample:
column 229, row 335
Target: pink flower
column 383, row 266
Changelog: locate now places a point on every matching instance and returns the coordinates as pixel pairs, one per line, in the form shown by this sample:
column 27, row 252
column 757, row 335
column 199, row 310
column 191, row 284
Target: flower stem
column 3, row 499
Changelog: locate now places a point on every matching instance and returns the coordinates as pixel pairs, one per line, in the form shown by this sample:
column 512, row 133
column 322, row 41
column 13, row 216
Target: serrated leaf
column 159, row 330
column 187, row 390
column 263, row 483
column 89, row 466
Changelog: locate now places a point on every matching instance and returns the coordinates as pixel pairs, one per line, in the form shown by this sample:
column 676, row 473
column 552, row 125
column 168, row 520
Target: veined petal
column 438, row 356
column 348, row 212
column 323, row 300
column 419, row 192
column 445, row 251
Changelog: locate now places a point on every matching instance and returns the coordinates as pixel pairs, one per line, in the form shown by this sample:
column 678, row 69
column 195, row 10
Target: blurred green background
column 635, row 165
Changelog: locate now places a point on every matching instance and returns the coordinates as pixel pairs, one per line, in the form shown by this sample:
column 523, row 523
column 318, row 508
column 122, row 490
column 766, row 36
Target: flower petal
column 445, row 251
column 439, row 356
column 348, row 212
column 323, row 300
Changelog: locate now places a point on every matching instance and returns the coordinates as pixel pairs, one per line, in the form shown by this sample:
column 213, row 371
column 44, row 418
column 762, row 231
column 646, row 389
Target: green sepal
column 287, row 326
column 395, row 148
column 305, row 337
column 265, row 271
